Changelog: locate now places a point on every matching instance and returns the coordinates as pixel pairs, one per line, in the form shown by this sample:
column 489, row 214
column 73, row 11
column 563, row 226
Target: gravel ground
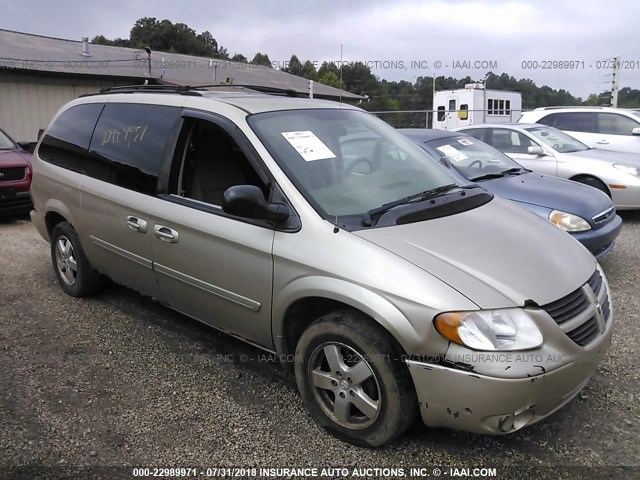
column 118, row 380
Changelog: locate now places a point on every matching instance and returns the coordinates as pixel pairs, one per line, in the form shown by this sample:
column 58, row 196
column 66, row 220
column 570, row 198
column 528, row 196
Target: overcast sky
column 388, row 35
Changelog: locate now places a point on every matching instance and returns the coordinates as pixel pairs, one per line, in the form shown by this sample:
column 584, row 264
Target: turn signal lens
column 447, row 325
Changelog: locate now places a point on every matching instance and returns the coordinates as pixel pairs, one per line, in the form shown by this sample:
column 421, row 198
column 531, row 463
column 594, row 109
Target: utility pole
column 614, row 81
column 433, row 104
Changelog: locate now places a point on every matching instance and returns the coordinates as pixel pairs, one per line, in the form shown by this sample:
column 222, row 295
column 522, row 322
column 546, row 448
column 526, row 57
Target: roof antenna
column 340, row 86
column 336, row 228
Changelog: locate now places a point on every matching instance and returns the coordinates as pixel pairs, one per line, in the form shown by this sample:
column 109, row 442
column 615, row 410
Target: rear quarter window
column 68, row 138
column 615, row 124
column 128, row 145
column 478, row 133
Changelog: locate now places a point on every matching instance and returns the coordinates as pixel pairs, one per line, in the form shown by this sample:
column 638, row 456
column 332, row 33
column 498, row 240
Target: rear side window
column 128, row 145
column 574, row 121
column 68, row 138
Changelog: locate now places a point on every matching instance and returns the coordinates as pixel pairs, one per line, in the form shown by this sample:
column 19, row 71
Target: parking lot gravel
column 119, row 380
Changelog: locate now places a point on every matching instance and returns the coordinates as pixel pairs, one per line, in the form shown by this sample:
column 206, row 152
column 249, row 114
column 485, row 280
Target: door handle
column 137, row 224
column 165, row 234
column 602, row 142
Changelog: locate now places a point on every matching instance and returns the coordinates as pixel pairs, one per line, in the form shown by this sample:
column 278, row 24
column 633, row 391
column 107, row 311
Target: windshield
column 636, row 113
column 5, row 142
column 558, row 140
column 471, row 157
column 347, row 162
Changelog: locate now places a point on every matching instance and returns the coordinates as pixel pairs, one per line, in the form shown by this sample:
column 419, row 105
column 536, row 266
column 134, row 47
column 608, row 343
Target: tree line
column 355, row 77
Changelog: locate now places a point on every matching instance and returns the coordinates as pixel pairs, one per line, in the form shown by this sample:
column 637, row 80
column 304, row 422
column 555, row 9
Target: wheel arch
column 56, row 212
column 307, row 299
column 584, row 178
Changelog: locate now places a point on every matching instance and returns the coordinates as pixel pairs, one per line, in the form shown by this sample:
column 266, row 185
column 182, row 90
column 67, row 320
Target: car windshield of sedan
column 347, row 162
column 5, row 142
column 558, row 140
column 471, row 157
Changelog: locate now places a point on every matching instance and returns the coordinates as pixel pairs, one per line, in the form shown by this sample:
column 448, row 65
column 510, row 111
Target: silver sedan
column 550, row 151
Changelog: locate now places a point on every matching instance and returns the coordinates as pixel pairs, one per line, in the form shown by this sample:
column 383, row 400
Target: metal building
column 40, row 74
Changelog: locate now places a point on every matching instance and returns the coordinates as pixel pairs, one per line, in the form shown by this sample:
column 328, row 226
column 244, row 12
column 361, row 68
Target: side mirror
column 535, row 151
column 635, row 131
column 248, row 201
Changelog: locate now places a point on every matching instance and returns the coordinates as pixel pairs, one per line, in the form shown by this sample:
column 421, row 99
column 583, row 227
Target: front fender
column 412, row 337
column 537, row 209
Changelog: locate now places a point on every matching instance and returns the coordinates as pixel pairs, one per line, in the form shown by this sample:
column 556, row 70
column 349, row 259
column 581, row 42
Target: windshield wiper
column 509, row 171
column 367, row 217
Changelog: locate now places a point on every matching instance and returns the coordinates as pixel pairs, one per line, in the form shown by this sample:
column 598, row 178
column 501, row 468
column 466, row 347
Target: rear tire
column 593, row 182
column 353, row 381
column 70, row 264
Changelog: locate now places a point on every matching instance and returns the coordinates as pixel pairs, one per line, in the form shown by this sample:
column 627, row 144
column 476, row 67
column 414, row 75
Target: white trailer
column 473, row 105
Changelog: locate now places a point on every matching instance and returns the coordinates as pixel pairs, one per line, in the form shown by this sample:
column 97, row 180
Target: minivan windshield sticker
column 464, row 141
column 308, row 145
column 127, row 135
column 453, row 153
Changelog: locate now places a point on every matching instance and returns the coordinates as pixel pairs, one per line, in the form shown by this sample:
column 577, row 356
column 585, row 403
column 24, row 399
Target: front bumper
column 38, row 221
column 600, row 241
column 16, row 204
column 465, row 400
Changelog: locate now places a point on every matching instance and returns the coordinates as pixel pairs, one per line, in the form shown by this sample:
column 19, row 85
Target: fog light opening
column 522, row 419
column 516, row 421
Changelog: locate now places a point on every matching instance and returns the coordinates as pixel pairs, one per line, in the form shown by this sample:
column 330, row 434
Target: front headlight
column 504, row 330
column 568, row 221
column 635, row 171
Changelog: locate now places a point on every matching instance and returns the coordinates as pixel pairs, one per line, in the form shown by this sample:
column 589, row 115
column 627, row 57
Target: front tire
column 70, row 264
column 353, row 381
column 593, row 182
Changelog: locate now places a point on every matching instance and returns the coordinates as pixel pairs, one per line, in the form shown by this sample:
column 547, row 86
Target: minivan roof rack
column 196, row 90
column 182, row 89
column 257, row 88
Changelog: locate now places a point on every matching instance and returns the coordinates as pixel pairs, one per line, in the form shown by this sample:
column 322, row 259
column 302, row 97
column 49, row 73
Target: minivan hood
column 552, row 193
column 497, row 255
column 632, row 159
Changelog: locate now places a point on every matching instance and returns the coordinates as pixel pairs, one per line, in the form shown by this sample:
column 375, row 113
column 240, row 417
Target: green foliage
column 238, row 57
column 166, row 36
column 261, row 59
column 331, row 79
column 628, row 98
column 118, row 42
column 309, row 71
column 293, row 66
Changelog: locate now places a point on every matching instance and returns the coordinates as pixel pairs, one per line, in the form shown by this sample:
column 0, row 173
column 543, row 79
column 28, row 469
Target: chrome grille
column 583, row 313
column 604, row 216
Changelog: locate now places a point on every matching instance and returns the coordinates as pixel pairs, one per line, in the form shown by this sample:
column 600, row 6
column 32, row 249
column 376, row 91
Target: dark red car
column 15, row 177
